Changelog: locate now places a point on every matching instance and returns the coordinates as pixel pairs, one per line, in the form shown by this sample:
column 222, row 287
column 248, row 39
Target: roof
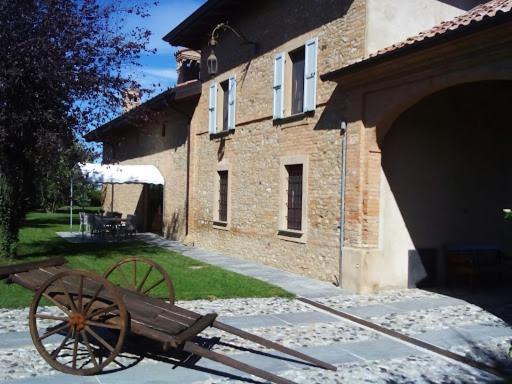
column 196, row 28
column 489, row 13
column 182, row 91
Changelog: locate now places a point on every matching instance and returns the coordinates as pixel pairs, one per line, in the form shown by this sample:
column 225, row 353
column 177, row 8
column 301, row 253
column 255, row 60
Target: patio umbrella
column 116, row 174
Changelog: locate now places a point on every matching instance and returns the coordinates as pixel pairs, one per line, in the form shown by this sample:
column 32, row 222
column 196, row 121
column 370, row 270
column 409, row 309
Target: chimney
column 131, row 99
column 188, row 64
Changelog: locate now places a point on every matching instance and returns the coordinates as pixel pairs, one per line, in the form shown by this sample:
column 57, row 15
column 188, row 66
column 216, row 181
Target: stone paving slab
column 469, row 334
column 307, row 318
column 385, row 348
column 246, row 322
column 55, row 379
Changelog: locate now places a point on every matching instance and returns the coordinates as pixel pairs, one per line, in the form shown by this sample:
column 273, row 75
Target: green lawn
column 192, row 279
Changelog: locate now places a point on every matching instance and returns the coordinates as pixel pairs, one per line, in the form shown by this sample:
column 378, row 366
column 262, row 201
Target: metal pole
column 342, row 193
column 71, row 208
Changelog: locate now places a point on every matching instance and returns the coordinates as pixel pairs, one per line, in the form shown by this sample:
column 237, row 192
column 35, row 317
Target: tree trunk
column 11, row 214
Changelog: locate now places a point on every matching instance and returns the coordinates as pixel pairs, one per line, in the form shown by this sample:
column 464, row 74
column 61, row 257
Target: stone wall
column 254, row 152
column 148, row 144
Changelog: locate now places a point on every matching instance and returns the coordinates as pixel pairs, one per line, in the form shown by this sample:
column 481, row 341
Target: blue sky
column 161, row 67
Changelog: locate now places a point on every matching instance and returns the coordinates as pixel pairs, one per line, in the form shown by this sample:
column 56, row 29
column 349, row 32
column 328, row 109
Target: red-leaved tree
column 61, row 72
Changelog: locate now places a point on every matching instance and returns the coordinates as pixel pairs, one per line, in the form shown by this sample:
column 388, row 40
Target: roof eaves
column 388, row 54
column 180, row 92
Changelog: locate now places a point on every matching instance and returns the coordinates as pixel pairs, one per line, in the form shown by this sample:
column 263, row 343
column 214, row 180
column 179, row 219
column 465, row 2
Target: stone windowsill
column 222, row 225
column 292, row 118
column 221, row 134
column 292, row 235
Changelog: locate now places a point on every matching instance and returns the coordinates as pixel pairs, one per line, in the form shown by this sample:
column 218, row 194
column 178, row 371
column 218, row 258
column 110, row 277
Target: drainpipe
column 343, row 132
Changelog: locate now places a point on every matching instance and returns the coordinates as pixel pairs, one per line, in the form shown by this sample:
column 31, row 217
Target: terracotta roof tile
column 476, row 14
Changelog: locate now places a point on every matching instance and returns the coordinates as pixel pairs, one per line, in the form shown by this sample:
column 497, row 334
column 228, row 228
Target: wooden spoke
column 79, row 356
column 153, row 286
column 68, row 296
column 93, row 299
column 75, row 349
column 99, row 311
column 135, row 274
column 89, row 348
column 80, row 294
column 56, row 352
column 122, row 274
column 146, row 275
column 54, row 331
column 63, row 308
column 99, row 338
column 139, row 276
column 102, row 325
column 49, row 317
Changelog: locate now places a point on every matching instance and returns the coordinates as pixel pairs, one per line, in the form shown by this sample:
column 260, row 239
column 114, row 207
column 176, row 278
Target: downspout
column 343, row 132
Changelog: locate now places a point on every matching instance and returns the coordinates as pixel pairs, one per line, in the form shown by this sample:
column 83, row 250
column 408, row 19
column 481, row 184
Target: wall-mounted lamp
column 212, row 61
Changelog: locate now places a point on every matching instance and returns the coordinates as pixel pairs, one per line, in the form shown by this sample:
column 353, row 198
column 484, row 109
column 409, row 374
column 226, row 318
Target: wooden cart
column 96, row 314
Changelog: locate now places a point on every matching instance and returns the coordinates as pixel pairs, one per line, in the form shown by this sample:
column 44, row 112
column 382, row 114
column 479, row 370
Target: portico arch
column 446, row 177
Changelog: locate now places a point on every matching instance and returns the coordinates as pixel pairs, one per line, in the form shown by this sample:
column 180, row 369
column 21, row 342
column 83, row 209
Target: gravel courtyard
column 360, row 354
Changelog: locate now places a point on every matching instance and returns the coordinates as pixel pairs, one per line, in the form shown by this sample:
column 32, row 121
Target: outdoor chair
column 99, row 229
column 89, row 224
column 83, row 222
column 129, row 228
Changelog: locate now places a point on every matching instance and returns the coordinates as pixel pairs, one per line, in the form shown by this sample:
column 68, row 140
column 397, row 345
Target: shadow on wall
column 173, row 227
column 168, row 130
column 466, row 5
column 253, row 24
column 335, row 111
column 448, row 177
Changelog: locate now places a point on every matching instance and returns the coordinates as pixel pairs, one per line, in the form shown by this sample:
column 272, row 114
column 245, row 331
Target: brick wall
column 256, row 148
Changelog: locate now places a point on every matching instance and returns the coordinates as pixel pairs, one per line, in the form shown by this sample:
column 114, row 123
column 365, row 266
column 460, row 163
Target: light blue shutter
column 232, row 102
column 212, row 114
column 310, row 75
column 279, row 86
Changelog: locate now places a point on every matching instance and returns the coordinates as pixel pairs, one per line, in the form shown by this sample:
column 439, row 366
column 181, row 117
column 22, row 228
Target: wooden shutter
column 279, row 86
column 232, row 102
column 310, row 75
column 212, row 114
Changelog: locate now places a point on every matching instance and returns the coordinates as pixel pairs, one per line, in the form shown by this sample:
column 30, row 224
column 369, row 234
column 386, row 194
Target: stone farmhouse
column 356, row 141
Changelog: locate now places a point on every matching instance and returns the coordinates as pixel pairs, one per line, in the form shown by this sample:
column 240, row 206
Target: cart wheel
column 143, row 276
column 86, row 331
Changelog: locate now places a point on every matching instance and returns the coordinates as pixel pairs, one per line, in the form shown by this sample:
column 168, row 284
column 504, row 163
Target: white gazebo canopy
column 121, row 174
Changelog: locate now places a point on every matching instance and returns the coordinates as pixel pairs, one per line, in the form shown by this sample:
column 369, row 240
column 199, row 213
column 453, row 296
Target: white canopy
column 121, row 174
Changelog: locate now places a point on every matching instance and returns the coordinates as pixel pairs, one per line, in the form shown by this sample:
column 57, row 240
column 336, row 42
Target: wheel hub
column 77, row 321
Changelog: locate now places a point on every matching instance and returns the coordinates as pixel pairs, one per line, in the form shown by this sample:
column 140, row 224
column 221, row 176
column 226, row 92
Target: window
column 295, row 81
column 293, row 198
column 225, row 104
column 223, row 196
column 222, row 106
column 294, row 205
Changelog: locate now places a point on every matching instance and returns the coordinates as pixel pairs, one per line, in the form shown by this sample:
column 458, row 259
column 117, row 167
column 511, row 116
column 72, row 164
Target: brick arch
column 401, row 98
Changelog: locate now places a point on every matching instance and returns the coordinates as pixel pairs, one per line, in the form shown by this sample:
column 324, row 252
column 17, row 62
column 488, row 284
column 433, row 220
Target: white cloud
column 161, row 73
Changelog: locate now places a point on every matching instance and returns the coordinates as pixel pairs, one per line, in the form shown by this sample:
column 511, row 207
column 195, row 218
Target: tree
column 53, row 185
column 61, row 73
